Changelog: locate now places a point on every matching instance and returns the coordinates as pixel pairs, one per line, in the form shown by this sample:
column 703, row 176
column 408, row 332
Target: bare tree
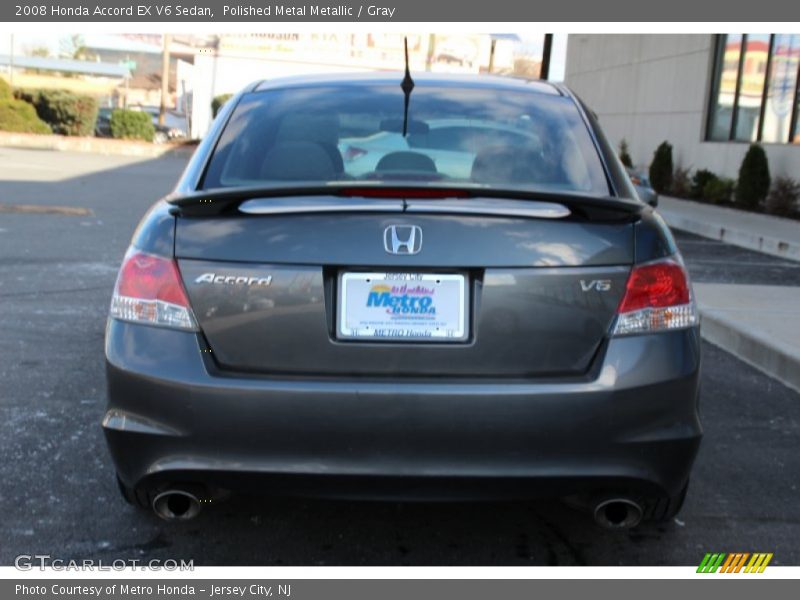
column 73, row 46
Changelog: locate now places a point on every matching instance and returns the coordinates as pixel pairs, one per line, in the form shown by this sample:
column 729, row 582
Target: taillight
column 657, row 297
column 149, row 290
column 352, row 153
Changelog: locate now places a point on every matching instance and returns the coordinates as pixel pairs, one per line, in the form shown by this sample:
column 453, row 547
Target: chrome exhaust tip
column 618, row 513
column 176, row 505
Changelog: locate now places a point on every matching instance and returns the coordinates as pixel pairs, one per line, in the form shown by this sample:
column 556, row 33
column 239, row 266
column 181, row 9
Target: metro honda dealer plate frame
column 420, row 314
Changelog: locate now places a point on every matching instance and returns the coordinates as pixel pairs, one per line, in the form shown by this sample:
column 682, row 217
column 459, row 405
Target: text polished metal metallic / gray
column 402, row 239
column 278, row 324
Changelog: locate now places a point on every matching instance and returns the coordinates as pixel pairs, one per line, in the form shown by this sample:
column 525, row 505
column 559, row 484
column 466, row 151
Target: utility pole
column 11, row 63
column 127, row 81
column 164, row 80
column 431, row 52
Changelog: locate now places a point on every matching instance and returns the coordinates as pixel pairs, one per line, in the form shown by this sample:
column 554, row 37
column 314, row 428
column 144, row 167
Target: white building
column 707, row 95
column 236, row 60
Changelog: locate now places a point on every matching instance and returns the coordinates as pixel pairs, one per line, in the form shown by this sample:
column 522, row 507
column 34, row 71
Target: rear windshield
column 466, row 136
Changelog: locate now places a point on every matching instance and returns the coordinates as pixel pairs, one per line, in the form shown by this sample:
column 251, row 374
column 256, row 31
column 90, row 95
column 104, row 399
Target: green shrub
column 66, row 113
column 783, row 197
column 702, row 177
column 132, row 125
column 218, row 102
column 624, row 154
column 20, row 117
column 661, row 168
column 5, row 90
column 754, row 179
column 681, row 183
column 719, row 190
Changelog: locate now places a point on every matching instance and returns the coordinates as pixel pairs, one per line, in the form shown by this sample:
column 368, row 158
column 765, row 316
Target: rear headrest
column 320, row 129
column 493, row 165
column 406, row 161
column 501, row 164
column 297, row 161
column 309, row 128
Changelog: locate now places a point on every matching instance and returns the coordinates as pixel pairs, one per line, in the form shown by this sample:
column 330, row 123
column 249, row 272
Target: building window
column 755, row 92
column 796, row 137
column 781, row 89
column 723, row 93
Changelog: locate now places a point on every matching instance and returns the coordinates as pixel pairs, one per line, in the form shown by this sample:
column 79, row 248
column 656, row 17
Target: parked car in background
column 173, row 128
column 643, row 187
column 102, row 127
column 481, row 307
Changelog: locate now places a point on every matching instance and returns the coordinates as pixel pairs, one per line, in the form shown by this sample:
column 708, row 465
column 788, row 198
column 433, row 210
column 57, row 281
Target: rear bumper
column 632, row 426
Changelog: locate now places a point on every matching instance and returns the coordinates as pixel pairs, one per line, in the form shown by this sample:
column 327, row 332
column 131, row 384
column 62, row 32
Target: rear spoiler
column 227, row 201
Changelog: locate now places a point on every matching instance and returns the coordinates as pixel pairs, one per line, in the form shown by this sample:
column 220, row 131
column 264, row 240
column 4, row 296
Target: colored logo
column 736, row 562
column 402, row 300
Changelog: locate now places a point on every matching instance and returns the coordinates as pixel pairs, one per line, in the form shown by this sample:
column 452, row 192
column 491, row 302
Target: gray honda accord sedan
column 418, row 288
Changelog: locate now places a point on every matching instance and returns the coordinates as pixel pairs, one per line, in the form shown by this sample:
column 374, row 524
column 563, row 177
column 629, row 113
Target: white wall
column 651, row 88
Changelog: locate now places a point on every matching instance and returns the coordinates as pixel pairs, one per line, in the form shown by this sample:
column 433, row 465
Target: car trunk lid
column 541, row 287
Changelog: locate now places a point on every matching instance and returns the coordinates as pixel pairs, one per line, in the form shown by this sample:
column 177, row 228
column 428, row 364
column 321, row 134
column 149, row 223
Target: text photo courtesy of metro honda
column 389, row 287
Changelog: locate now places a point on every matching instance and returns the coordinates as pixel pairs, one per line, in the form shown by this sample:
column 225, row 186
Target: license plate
column 402, row 307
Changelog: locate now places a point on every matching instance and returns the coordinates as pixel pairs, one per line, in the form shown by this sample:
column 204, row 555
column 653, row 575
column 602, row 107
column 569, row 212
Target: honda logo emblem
column 402, row 239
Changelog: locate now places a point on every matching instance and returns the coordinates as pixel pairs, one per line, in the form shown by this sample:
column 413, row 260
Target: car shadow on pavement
column 249, row 529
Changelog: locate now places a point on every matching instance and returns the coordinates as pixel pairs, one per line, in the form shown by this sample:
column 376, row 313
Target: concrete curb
column 93, row 145
column 753, row 347
column 760, row 324
column 730, row 233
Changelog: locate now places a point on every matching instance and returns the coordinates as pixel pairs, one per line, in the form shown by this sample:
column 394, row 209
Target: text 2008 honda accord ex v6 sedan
column 375, row 286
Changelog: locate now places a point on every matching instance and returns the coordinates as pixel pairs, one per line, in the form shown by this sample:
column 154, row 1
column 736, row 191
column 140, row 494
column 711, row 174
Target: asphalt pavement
column 710, row 261
column 57, row 489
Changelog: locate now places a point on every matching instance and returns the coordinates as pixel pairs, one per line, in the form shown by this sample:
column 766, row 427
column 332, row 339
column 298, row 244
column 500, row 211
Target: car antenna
column 407, row 86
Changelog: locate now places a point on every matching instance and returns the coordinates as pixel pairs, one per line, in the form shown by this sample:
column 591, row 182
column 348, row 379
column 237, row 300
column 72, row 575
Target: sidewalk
column 95, row 145
column 758, row 323
column 762, row 233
